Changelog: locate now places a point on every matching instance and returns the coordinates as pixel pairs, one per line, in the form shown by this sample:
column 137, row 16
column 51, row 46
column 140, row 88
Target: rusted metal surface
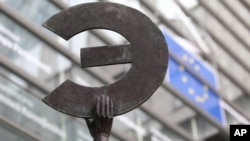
column 147, row 52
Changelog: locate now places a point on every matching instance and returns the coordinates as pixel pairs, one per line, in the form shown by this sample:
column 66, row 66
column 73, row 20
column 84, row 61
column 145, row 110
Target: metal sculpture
column 147, row 52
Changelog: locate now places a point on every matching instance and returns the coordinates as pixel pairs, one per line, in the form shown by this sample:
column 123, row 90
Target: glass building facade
column 34, row 61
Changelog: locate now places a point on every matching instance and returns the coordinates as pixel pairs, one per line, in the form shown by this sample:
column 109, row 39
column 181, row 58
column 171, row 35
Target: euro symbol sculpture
column 147, row 52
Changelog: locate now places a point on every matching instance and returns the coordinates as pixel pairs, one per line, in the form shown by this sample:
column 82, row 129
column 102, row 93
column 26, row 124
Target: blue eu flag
column 186, row 83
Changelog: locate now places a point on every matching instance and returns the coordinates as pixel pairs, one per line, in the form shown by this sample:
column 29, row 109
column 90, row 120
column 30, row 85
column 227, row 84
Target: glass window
column 37, row 10
column 81, row 77
column 7, row 133
column 243, row 102
column 26, row 110
column 28, row 52
column 40, row 60
column 140, row 126
column 198, row 127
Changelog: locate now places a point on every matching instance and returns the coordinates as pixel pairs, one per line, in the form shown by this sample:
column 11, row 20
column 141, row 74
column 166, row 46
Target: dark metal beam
column 223, row 131
column 39, row 33
column 195, row 108
column 161, row 18
column 229, row 76
column 236, row 15
column 166, row 22
column 180, row 96
column 36, row 30
column 172, row 126
column 237, row 37
column 236, row 82
column 220, row 68
column 245, row 4
column 224, row 72
column 231, row 104
column 215, row 15
column 19, row 129
column 24, row 75
column 211, row 87
column 43, row 87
